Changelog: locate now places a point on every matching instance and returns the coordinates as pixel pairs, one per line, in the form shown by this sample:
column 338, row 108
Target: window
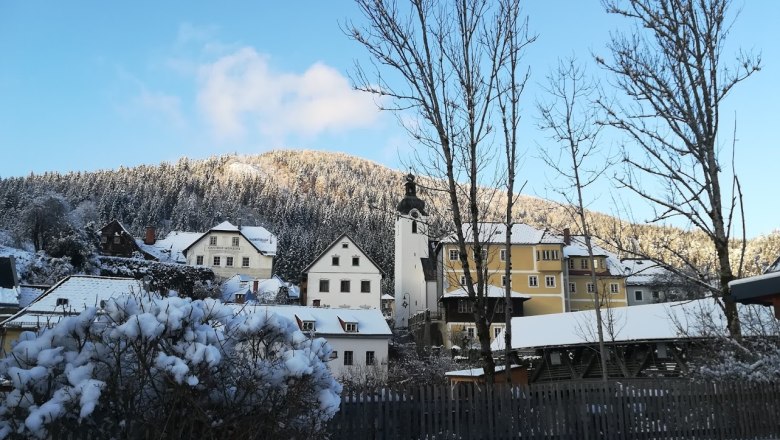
column 350, row 327
column 334, row 261
column 199, row 260
column 347, row 357
column 104, row 239
column 453, row 255
column 484, row 255
column 591, row 288
column 307, row 326
column 595, row 263
column 654, row 294
column 547, row 255
column 533, row 281
column 503, row 281
column 500, row 306
column 365, row 286
column 369, row 358
column 356, row 261
column 464, row 306
column 638, row 295
column 229, row 261
column 470, row 332
column 571, row 263
column 212, row 241
column 245, row 262
column 315, row 303
column 496, row 332
column 117, row 239
column 572, row 288
column 344, row 245
column 235, row 241
column 62, row 301
column 614, row 288
column 583, row 263
column 344, row 286
column 549, row 281
column 414, row 226
column 239, row 297
column 502, row 254
column 324, row 285
column 103, row 303
column 463, row 280
column 216, row 261
column 334, row 354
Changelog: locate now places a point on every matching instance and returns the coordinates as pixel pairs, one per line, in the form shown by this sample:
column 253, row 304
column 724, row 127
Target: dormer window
column 103, row 304
column 240, row 297
column 307, row 326
column 62, row 302
column 350, row 327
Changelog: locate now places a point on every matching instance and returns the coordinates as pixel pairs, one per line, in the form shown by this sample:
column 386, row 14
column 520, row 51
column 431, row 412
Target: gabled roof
column 333, row 244
column 259, row 237
column 171, row 248
column 118, row 223
column 643, row 271
column 81, row 291
column 495, row 233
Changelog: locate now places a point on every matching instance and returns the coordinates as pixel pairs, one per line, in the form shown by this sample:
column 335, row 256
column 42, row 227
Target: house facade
column 359, row 338
column 343, row 276
column 610, row 276
column 116, row 241
column 228, row 250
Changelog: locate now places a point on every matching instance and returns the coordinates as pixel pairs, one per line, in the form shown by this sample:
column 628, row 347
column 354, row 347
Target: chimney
column 150, row 237
column 566, row 236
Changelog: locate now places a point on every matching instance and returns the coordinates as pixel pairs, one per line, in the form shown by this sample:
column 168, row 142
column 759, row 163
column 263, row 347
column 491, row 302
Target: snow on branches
column 147, row 366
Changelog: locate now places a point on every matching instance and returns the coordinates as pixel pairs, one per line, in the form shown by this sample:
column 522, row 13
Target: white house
column 648, row 282
column 343, row 276
column 242, row 288
column 228, row 249
column 359, row 338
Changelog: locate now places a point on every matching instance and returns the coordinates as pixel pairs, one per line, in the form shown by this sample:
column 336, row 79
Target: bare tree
column 670, row 69
column 570, row 118
column 449, row 62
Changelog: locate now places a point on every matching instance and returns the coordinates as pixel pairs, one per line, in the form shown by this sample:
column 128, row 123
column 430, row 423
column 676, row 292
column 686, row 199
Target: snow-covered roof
column 171, row 248
column 496, row 233
column 9, row 296
column 578, row 248
column 80, row 291
column 333, row 244
column 29, row 293
column 649, row 322
column 475, row 372
column 492, row 292
column 370, row 322
column 267, row 288
column 642, row 271
column 388, row 297
column 263, row 240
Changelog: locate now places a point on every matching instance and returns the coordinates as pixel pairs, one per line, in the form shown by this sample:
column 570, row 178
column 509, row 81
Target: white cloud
column 240, row 94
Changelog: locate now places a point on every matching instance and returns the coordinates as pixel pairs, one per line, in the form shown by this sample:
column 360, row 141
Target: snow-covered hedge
column 151, row 367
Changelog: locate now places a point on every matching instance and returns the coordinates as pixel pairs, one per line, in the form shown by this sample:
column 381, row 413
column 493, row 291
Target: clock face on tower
column 414, row 213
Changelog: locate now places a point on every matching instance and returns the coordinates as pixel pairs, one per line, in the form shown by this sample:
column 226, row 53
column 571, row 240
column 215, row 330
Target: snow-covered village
column 390, row 219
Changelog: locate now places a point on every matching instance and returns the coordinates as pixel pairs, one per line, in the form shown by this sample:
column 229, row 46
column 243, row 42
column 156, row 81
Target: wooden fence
column 637, row 409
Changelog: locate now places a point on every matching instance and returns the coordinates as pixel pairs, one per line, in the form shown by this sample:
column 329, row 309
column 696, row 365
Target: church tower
column 411, row 250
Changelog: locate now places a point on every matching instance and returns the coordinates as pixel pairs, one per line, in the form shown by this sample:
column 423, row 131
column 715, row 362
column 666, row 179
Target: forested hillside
column 307, row 198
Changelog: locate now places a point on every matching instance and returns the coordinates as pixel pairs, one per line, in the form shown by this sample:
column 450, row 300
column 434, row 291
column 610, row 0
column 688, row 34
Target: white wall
column 410, row 287
column 259, row 265
column 359, row 346
column 324, row 269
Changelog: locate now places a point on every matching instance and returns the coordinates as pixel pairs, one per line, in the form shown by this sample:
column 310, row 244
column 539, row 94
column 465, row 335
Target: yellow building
column 552, row 270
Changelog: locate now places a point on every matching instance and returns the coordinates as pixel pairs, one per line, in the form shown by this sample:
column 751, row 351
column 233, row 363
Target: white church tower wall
column 411, row 246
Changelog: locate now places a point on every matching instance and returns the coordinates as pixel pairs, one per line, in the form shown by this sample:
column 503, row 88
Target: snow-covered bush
column 151, row 367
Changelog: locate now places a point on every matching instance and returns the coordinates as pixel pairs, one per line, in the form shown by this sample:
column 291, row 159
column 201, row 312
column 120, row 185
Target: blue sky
column 93, row 85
